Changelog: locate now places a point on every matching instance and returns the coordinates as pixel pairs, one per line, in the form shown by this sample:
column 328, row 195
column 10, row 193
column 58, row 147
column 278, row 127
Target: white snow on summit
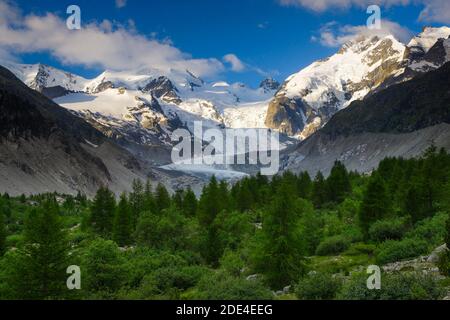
column 428, row 37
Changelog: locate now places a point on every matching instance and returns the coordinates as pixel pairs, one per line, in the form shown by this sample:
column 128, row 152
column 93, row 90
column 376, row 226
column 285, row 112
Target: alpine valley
column 67, row 133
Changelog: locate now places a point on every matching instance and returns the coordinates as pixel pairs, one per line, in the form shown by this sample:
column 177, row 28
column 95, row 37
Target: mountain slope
column 363, row 66
column 402, row 120
column 139, row 109
column 45, row 148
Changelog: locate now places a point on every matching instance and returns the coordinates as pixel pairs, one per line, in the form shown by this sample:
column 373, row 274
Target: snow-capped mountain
column 309, row 98
column 145, row 106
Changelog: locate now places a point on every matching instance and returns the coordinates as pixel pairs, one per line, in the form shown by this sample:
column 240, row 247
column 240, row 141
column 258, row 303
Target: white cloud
column 121, row 3
column 322, row 5
column 106, row 44
column 434, row 10
column 263, row 25
column 236, row 64
column 334, row 35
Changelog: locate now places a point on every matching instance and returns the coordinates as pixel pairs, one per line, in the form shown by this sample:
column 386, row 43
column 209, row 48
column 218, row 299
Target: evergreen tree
column 149, row 198
column 103, row 267
column 210, row 205
column 243, row 196
column 102, row 212
column 137, row 201
column 416, row 202
column 122, row 228
column 41, row 271
column 164, row 232
column 304, row 185
column 225, row 195
column 447, row 208
column 162, row 198
column 280, row 259
column 319, row 191
column 447, row 234
column 338, row 183
column 177, row 199
column 189, row 203
column 2, row 233
column 375, row 204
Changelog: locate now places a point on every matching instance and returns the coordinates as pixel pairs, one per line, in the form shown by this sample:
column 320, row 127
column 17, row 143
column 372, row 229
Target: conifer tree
column 189, row 203
column 103, row 211
column 2, row 233
column 338, row 183
column 416, row 202
column 304, row 185
column 375, row 204
column 149, row 198
column 177, row 199
column 224, row 195
column 319, row 191
column 44, row 257
column 162, row 198
column 281, row 257
column 243, row 196
column 123, row 227
column 447, row 209
column 210, row 205
column 136, row 201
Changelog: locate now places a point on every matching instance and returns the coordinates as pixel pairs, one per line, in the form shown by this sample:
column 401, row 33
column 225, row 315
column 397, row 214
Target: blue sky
column 268, row 37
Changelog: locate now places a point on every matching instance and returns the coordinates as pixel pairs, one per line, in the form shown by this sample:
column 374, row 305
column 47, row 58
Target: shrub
column 332, row 245
column 361, row 248
column 180, row 278
column 391, row 251
column 318, row 286
column 432, row 230
column 14, row 241
column 389, row 229
column 397, row 286
column 222, row 286
column 103, row 266
column 444, row 263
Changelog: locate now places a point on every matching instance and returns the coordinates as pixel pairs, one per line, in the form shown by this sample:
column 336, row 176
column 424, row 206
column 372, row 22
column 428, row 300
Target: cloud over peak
column 236, row 64
column 105, row 45
column 334, row 35
column 433, row 10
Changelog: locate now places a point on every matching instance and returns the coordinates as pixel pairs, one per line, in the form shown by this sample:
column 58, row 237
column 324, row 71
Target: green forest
column 288, row 237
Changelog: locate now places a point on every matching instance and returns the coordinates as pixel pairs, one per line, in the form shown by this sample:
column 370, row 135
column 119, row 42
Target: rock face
column 400, row 121
column 286, row 115
column 45, row 148
column 163, row 88
column 269, row 85
column 103, row 86
column 435, row 255
column 307, row 100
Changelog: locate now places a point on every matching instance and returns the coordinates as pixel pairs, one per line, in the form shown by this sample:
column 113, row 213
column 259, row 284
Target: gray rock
column 287, row 289
column 252, row 277
column 434, row 256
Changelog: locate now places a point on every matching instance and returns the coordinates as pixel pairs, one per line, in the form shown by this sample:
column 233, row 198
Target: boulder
column 434, row 256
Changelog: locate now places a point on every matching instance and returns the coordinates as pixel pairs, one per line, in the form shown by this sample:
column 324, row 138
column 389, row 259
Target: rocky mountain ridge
column 367, row 64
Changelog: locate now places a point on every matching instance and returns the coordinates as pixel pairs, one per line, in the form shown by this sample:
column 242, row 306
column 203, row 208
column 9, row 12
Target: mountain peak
column 428, row 37
column 269, row 84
